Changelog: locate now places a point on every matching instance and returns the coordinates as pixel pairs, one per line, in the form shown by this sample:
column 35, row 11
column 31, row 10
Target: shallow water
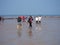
column 45, row 33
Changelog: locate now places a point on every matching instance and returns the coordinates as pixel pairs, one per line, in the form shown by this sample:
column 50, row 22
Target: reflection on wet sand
column 38, row 26
column 45, row 33
column 30, row 31
column 19, row 29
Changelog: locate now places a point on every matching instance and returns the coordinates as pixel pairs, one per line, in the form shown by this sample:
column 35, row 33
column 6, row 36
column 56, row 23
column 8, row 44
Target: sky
column 29, row 7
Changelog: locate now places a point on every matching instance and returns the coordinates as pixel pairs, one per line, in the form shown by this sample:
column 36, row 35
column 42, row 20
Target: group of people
column 22, row 18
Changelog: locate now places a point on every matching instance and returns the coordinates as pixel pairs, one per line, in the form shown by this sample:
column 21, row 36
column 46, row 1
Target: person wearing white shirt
column 38, row 19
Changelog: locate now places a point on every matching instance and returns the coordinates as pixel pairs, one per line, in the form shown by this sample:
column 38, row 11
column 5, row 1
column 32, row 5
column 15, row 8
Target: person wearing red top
column 23, row 18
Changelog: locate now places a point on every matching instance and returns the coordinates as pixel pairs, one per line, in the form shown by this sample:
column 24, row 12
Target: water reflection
column 19, row 29
column 38, row 26
column 30, row 31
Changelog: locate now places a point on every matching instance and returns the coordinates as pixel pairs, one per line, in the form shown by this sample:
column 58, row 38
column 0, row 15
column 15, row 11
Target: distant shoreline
column 15, row 17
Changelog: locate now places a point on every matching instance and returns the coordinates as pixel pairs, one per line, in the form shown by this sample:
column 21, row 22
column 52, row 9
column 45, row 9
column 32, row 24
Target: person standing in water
column 24, row 18
column 19, row 20
column 30, row 21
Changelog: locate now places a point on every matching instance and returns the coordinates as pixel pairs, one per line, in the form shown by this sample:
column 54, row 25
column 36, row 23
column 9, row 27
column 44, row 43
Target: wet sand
column 45, row 33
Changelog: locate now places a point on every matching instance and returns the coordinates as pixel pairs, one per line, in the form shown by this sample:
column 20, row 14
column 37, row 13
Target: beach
column 45, row 33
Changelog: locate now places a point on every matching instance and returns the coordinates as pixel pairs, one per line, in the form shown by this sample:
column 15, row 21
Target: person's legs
column 30, row 24
column 36, row 21
column 39, row 21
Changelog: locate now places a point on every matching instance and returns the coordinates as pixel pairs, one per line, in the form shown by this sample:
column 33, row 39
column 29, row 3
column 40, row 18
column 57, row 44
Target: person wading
column 30, row 21
column 19, row 20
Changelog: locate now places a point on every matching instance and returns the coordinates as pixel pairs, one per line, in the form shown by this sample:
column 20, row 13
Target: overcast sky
column 29, row 7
